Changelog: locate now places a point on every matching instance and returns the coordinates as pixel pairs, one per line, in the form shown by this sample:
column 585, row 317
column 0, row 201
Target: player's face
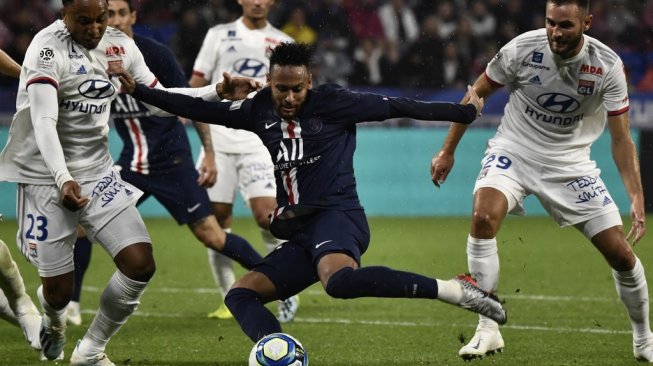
column 86, row 20
column 121, row 17
column 565, row 26
column 289, row 85
column 256, row 9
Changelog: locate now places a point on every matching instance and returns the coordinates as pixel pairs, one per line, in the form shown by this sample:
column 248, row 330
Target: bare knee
column 485, row 224
column 136, row 262
column 58, row 290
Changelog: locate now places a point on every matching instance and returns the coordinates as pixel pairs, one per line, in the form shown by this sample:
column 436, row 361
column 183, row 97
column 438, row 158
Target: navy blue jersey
column 152, row 144
column 313, row 154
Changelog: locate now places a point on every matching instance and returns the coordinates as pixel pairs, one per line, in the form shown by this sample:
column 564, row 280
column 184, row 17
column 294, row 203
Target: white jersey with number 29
column 557, row 107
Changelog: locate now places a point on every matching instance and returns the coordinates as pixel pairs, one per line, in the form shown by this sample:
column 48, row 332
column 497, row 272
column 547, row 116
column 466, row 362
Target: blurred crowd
column 389, row 43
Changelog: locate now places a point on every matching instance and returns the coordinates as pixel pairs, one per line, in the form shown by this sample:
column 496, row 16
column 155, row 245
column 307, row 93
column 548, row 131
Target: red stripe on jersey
column 291, row 129
column 494, row 83
column 138, row 139
column 620, row 111
column 43, row 80
column 156, row 81
column 288, row 184
column 198, row 73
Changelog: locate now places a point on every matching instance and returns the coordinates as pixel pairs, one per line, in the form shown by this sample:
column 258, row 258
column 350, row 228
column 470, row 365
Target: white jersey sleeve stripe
column 43, row 80
column 489, row 79
column 618, row 112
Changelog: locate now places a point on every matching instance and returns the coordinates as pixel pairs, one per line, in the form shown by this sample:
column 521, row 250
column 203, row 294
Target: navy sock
column 240, row 250
column 82, row 258
column 248, row 310
column 376, row 281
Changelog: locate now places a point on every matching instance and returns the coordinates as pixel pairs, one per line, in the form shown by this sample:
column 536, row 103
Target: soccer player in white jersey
column 241, row 48
column 58, row 154
column 564, row 85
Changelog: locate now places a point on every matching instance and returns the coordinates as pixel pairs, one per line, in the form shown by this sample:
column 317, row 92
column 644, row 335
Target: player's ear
column 267, row 78
column 587, row 22
column 310, row 80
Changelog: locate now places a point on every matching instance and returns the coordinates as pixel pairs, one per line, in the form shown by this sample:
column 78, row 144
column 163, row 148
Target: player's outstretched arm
column 443, row 160
column 8, row 66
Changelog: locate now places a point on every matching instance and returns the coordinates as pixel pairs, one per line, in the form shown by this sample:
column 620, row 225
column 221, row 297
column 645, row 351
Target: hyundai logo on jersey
column 250, row 67
column 538, row 57
column 558, row 103
column 96, row 89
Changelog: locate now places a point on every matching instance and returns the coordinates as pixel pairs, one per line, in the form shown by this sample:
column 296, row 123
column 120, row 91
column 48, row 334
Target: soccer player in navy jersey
column 311, row 136
column 156, row 158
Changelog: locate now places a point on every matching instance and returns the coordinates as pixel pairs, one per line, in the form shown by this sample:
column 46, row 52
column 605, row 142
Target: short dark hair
column 585, row 4
column 68, row 2
column 291, row 54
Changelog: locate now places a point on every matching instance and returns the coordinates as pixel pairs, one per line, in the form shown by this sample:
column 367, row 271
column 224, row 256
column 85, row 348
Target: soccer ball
column 278, row 349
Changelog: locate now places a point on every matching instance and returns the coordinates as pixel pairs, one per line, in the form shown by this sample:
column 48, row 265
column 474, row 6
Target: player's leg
column 46, row 232
column 606, row 233
column 125, row 238
column 16, row 306
column 82, row 258
column 270, row 280
column 497, row 191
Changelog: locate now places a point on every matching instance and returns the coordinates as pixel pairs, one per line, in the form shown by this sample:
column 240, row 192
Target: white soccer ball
column 278, row 349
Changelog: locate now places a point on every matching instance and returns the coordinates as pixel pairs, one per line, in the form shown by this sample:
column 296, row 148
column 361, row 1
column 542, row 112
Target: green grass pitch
column 563, row 308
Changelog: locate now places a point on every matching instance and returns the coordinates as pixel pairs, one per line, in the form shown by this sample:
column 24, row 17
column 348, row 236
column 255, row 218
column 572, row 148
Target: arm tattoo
column 205, row 135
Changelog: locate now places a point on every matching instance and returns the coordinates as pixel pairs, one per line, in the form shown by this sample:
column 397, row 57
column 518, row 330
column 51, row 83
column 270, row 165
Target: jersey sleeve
column 137, row 67
column 615, row 97
column 44, row 63
column 226, row 113
column 351, row 106
column 167, row 69
column 206, row 61
column 500, row 70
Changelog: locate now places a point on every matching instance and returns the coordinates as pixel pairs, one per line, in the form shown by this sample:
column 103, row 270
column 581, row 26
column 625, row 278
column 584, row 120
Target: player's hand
column 236, row 88
column 475, row 100
column 71, row 194
column 208, row 171
column 125, row 78
column 441, row 165
column 638, row 217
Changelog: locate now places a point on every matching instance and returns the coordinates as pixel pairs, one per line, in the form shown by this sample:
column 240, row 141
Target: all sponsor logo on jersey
column 250, row 67
column 585, row 87
column 231, row 33
column 593, row 70
column 96, row 89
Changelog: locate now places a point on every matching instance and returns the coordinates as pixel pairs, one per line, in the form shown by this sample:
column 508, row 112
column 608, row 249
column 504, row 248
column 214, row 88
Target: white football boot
column 53, row 339
column 100, row 359
column 288, row 309
column 486, row 341
column 643, row 351
column 73, row 313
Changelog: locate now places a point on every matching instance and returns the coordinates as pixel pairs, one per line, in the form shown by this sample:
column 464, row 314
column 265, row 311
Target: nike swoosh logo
column 322, row 243
column 267, row 126
column 477, row 344
column 191, row 209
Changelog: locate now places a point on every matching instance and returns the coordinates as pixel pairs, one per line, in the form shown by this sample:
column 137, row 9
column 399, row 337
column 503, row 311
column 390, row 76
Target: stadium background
column 439, row 48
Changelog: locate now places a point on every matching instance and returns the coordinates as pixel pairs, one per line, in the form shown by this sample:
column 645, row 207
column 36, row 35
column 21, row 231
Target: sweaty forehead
column 559, row 13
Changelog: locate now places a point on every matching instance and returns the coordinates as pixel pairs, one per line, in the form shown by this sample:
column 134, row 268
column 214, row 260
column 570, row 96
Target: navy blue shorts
column 292, row 266
column 177, row 190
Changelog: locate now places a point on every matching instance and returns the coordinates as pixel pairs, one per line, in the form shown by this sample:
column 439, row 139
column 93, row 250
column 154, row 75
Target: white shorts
column 570, row 194
column 47, row 230
column 251, row 173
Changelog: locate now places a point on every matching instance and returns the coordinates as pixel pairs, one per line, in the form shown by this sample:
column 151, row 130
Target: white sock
column 118, row 301
column 633, row 291
column 483, row 263
column 449, row 292
column 52, row 316
column 5, row 311
column 222, row 268
column 270, row 241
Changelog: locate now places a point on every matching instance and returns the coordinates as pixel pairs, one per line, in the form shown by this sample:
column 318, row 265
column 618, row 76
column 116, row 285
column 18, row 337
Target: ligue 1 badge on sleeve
column 46, row 58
